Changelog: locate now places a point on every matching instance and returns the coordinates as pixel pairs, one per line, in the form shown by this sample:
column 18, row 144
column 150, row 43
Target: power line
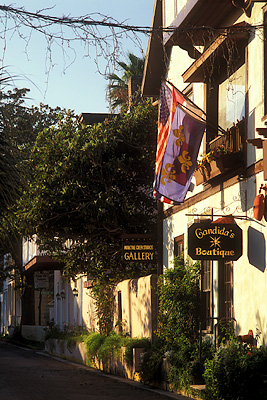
column 109, row 22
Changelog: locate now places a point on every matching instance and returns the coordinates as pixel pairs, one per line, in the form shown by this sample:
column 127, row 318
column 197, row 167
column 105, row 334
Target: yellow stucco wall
column 138, row 304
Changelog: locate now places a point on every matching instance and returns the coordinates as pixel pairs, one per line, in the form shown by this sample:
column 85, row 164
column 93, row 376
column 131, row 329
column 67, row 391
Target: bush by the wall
column 237, row 373
column 131, row 343
column 178, row 322
column 151, row 363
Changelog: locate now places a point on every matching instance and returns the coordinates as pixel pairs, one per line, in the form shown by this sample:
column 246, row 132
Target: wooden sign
column 41, row 280
column 142, row 251
column 212, row 241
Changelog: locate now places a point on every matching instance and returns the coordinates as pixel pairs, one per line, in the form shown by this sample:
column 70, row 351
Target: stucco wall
column 138, row 306
column 250, row 275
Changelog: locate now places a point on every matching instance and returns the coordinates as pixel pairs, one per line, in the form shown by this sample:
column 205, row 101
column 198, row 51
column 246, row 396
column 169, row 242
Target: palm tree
column 117, row 89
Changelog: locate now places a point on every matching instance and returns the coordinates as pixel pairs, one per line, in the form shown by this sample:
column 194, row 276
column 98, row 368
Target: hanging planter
column 224, row 163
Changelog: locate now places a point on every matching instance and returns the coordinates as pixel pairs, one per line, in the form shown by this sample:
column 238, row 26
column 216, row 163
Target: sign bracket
column 241, row 217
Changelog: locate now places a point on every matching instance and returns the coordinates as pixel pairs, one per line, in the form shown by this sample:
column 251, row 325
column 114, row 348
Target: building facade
column 215, row 53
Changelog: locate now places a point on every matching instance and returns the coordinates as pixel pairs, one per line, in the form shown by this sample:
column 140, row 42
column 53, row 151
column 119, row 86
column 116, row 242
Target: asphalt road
column 26, row 375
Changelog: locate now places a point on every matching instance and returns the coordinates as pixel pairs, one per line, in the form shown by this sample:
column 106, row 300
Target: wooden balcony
column 234, row 138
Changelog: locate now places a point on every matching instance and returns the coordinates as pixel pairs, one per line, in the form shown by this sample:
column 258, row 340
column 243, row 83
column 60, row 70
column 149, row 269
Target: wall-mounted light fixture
column 62, row 294
column 58, row 297
column 75, row 292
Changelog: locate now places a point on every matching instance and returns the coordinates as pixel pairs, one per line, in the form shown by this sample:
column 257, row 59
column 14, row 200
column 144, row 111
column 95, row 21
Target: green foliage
column 19, row 127
column 117, row 89
column 151, row 363
column 179, row 304
column 93, row 342
column 88, row 186
column 237, row 372
column 110, row 349
column 178, row 324
column 179, row 320
column 143, row 343
column 103, row 294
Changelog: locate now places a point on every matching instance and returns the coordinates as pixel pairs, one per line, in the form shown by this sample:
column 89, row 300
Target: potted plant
column 216, row 162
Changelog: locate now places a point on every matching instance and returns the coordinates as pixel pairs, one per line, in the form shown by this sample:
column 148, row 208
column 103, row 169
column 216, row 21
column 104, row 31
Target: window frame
column 178, row 241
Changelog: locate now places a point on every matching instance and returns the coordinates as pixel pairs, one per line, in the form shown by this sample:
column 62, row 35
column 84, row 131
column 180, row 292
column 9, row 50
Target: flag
column 177, row 156
column 168, row 103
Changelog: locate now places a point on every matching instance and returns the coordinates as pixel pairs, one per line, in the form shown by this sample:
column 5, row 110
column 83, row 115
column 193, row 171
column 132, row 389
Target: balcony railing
column 218, row 162
column 234, row 138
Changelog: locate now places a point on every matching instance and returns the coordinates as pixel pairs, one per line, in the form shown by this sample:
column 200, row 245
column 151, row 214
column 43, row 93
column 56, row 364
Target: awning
column 196, row 14
column 42, row 263
column 154, row 69
column 229, row 219
column 216, row 54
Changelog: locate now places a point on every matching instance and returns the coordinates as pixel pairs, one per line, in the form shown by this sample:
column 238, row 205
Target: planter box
column 225, row 163
column 200, row 176
column 216, row 168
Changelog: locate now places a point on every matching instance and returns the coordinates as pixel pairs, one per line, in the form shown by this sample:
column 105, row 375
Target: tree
column 88, row 186
column 117, row 89
column 19, row 127
column 98, row 33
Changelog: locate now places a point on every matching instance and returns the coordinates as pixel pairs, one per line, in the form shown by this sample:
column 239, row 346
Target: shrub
column 151, row 363
column 178, row 326
column 93, row 342
column 110, row 348
column 237, row 373
column 135, row 343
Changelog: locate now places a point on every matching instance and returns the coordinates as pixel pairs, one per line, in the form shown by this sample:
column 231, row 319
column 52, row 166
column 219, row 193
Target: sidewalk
column 120, row 379
column 140, row 385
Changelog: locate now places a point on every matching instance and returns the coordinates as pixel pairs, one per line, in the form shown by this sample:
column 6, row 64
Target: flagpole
column 200, row 109
column 202, row 119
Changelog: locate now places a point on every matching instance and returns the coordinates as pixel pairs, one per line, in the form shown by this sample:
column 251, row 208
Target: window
column 206, row 296
column 223, row 68
column 119, row 322
column 179, row 246
column 226, row 303
column 232, row 99
column 226, row 300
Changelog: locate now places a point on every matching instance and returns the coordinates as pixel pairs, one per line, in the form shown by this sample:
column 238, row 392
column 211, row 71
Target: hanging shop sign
column 212, row 241
column 41, row 280
column 142, row 251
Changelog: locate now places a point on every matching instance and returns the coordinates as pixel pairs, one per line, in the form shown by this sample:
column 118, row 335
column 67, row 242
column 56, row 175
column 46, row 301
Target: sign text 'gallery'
column 143, row 252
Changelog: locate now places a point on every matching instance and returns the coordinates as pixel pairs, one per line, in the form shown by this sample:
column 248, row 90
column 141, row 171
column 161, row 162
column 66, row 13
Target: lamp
column 62, row 294
column 75, row 292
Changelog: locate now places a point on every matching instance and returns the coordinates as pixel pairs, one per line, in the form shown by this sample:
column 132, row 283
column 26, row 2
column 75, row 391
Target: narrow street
column 26, row 374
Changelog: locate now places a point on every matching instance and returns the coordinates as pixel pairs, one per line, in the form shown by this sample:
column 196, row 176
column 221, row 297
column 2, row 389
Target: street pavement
column 26, row 374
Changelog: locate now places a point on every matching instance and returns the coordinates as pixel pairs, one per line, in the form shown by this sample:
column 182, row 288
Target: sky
column 74, row 81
